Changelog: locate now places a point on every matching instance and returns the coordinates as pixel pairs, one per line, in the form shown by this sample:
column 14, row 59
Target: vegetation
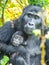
column 11, row 9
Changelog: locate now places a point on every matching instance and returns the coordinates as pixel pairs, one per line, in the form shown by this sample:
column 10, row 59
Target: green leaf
column 36, row 32
column 39, row 2
column 1, row 24
column 4, row 60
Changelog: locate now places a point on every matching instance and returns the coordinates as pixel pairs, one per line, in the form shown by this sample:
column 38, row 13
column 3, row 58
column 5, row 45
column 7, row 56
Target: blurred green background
column 11, row 9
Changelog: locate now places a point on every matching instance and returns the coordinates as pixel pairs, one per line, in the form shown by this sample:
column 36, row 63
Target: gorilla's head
column 31, row 19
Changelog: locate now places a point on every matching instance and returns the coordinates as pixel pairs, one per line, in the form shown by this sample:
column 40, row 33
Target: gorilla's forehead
column 34, row 13
column 32, row 8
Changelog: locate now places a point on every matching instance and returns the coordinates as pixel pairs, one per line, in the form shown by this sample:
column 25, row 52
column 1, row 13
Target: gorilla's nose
column 31, row 24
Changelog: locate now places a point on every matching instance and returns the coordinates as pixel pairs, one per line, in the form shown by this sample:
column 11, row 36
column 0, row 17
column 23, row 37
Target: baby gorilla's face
column 17, row 39
column 31, row 22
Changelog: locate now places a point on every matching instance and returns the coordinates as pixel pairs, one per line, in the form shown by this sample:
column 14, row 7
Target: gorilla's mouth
column 32, row 31
column 28, row 30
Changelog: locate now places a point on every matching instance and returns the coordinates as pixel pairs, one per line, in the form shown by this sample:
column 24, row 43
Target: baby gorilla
column 30, row 52
column 16, row 39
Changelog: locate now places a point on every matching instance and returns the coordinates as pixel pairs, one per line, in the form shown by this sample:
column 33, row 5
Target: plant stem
column 3, row 11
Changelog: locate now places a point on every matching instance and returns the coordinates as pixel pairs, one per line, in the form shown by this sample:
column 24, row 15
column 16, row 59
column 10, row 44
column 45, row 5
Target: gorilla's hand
column 8, row 49
column 18, row 60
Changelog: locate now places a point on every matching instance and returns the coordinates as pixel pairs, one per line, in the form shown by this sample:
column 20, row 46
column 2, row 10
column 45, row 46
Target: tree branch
column 3, row 11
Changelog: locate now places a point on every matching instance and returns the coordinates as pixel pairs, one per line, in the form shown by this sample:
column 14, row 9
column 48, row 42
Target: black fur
column 28, row 54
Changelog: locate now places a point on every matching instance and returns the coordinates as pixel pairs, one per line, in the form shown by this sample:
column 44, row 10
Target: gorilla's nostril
column 31, row 24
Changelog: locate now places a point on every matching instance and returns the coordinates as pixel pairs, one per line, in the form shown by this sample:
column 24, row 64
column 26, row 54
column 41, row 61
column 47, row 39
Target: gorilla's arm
column 6, row 33
column 8, row 49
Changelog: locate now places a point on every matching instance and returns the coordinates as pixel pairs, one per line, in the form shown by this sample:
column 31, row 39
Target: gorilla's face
column 31, row 22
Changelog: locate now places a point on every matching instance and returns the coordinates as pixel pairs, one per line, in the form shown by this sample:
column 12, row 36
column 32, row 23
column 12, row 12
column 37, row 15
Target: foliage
column 11, row 9
column 4, row 60
column 47, row 16
column 2, row 7
column 39, row 2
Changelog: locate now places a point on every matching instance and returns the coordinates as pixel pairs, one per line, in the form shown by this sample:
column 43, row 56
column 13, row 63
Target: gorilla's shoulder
column 6, row 32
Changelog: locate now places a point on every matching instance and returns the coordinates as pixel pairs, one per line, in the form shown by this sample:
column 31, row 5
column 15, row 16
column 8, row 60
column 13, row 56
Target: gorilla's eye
column 33, row 16
column 30, row 16
column 36, row 17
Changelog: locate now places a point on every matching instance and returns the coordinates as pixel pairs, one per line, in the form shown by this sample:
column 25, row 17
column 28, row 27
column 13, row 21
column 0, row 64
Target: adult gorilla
column 28, row 43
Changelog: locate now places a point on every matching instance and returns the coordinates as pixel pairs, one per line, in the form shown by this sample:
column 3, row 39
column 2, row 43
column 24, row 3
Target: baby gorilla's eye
column 17, row 36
